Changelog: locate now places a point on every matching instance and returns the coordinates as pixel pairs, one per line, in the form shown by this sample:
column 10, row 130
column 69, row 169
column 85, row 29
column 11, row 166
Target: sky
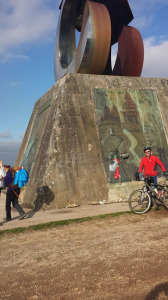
column 27, row 45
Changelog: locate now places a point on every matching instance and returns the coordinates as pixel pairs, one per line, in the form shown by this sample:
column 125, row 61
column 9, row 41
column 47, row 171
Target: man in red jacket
column 148, row 163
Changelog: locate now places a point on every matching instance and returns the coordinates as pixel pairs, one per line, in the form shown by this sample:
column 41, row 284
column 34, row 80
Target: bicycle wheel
column 139, row 202
column 165, row 199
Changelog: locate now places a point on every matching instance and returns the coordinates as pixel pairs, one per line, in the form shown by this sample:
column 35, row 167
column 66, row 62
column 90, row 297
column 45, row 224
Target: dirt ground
column 116, row 258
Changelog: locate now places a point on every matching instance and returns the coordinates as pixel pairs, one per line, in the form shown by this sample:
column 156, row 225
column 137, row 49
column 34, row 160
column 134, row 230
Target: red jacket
column 149, row 165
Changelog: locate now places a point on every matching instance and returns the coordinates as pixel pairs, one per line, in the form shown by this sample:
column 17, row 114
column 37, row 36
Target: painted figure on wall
column 129, row 119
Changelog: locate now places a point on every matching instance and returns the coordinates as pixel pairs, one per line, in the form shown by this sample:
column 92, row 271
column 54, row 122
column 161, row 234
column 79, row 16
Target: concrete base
column 61, row 149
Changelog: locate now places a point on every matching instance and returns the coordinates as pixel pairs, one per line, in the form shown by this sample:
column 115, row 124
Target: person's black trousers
column 11, row 197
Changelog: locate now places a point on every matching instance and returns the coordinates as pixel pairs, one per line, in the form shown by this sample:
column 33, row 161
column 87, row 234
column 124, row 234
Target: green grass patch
column 55, row 224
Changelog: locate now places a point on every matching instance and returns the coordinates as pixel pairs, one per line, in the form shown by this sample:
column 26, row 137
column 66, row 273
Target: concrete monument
column 77, row 123
column 78, row 126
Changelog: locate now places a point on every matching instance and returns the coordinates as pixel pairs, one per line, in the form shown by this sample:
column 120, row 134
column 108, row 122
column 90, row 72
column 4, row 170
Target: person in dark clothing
column 12, row 195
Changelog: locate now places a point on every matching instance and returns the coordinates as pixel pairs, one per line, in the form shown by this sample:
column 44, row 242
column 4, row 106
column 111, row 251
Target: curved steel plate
column 94, row 44
column 130, row 54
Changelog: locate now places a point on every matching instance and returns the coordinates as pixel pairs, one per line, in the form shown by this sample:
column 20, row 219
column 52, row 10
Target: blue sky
column 27, row 40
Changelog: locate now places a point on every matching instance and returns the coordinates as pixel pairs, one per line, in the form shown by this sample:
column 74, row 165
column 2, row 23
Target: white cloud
column 145, row 12
column 141, row 22
column 24, row 23
column 155, row 59
column 15, row 84
column 5, row 135
column 144, row 6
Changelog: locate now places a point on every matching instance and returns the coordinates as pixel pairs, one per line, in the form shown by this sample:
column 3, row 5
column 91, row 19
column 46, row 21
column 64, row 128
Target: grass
column 54, row 224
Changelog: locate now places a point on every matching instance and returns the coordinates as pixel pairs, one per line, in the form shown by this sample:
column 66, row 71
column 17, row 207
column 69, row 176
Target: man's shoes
column 23, row 216
column 156, row 207
column 152, row 204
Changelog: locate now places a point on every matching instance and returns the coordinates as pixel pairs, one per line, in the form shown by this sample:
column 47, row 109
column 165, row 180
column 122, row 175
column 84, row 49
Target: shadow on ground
column 159, row 290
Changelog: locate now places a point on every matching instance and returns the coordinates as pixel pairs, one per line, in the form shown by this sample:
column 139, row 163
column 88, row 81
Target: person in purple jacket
column 12, row 195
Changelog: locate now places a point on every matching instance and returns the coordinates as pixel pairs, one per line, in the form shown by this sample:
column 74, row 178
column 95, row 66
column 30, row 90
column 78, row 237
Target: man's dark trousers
column 11, row 197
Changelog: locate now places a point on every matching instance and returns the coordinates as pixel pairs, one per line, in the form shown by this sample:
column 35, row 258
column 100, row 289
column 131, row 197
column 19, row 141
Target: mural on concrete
column 128, row 120
column 36, row 136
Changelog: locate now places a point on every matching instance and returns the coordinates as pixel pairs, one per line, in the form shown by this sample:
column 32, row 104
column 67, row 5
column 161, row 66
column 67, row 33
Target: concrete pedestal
column 65, row 148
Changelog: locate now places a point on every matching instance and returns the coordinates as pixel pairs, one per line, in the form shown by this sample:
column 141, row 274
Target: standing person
column 2, row 175
column 12, row 195
column 7, row 167
column 148, row 163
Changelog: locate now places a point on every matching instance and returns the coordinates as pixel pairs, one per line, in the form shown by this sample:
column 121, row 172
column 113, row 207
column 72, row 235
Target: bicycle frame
column 142, row 199
column 154, row 189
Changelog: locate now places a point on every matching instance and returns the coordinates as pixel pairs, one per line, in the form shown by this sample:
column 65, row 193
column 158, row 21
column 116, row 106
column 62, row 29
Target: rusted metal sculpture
column 102, row 23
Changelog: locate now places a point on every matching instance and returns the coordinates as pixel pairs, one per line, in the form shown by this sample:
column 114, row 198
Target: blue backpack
column 21, row 178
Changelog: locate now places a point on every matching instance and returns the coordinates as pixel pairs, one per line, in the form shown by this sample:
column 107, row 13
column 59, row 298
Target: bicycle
column 140, row 201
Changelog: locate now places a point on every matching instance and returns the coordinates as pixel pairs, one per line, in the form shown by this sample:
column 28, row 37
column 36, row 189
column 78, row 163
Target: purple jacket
column 8, row 179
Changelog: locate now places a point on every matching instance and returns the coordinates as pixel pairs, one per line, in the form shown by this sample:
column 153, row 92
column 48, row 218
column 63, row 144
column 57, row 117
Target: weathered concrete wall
column 61, row 149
